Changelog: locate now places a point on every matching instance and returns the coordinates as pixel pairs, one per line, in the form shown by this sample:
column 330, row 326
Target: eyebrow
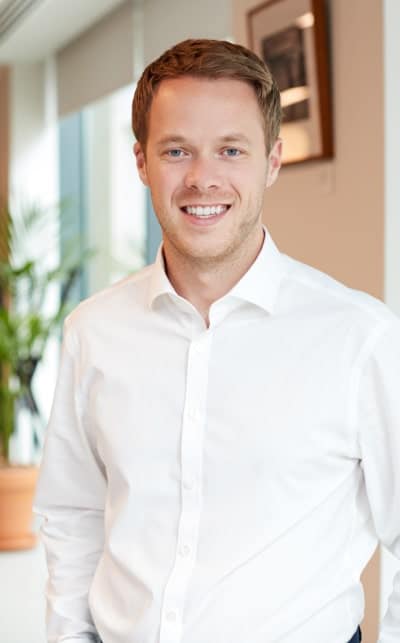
column 171, row 138
column 234, row 137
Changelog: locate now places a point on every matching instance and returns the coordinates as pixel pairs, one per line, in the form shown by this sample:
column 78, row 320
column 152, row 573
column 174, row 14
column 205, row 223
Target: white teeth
column 206, row 211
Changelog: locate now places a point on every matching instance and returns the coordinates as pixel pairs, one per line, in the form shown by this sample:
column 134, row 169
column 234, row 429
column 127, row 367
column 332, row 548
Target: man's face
column 206, row 165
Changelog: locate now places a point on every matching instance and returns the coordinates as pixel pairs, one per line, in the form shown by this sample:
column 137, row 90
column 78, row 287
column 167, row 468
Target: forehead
column 204, row 104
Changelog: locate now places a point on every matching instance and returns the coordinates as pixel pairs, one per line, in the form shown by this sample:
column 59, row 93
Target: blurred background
column 67, row 76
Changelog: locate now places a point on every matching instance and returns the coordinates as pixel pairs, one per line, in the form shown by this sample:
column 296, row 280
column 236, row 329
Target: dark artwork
column 284, row 54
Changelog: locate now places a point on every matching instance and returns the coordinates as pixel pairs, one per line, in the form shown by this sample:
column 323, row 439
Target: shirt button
column 188, row 485
column 171, row 616
column 184, row 551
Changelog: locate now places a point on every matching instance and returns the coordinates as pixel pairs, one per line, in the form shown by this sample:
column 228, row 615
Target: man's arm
column 379, row 433
column 70, row 496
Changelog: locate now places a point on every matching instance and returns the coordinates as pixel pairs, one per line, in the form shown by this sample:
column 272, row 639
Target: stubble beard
column 228, row 251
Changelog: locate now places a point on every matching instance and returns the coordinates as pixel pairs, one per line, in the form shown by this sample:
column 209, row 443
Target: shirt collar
column 159, row 282
column 259, row 285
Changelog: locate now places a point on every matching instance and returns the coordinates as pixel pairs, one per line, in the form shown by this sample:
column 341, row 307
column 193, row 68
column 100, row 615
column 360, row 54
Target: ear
column 274, row 162
column 140, row 162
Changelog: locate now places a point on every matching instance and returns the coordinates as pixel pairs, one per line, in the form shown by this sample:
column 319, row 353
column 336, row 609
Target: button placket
column 188, row 484
column 191, row 465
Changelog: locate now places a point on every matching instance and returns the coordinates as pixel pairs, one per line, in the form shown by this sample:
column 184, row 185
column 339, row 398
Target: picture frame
column 291, row 37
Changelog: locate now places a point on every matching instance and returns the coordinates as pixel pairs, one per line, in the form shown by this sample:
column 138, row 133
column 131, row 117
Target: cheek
column 164, row 184
column 175, row 184
column 250, row 181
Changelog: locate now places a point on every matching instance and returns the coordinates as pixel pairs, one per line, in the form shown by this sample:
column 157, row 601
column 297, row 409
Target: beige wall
column 331, row 214
column 85, row 73
column 183, row 19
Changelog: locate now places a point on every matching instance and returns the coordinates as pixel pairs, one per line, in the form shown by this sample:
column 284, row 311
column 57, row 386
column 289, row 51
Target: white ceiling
column 49, row 26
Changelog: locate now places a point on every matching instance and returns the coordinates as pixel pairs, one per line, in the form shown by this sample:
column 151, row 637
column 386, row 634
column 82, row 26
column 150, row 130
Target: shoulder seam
column 342, row 296
column 119, row 285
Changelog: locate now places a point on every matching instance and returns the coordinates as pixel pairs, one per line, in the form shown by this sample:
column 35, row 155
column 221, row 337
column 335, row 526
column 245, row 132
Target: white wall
column 34, row 179
column 33, row 144
column 391, row 50
column 392, row 152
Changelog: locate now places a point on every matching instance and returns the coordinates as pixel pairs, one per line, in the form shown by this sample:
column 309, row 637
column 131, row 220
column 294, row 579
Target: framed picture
column 290, row 36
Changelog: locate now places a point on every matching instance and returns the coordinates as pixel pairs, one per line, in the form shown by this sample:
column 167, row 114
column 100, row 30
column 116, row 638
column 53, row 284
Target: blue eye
column 232, row 151
column 175, row 153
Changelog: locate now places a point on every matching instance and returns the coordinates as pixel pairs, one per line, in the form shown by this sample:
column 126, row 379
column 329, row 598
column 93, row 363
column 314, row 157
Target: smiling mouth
column 205, row 211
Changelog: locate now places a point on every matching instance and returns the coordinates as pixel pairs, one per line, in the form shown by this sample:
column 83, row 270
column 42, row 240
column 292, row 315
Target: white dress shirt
column 224, row 484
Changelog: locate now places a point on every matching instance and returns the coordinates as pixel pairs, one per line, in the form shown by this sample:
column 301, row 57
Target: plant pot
column 17, row 486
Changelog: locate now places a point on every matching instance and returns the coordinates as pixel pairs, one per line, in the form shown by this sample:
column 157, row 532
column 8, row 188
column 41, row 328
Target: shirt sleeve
column 379, row 434
column 70, row 496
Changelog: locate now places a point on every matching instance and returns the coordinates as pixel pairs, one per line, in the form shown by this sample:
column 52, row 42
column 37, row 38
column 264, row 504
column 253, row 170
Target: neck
column 202, row 283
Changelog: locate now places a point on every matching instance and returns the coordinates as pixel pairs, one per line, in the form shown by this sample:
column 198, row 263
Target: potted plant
column 29, row 276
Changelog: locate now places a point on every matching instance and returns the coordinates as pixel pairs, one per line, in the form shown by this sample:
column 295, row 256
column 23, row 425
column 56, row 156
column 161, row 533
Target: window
column 109, row 205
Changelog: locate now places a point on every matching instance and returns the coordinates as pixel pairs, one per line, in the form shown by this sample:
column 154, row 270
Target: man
column 222, row 453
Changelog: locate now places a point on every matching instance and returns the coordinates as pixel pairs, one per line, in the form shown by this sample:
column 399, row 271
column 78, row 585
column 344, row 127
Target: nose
column 202, row 175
